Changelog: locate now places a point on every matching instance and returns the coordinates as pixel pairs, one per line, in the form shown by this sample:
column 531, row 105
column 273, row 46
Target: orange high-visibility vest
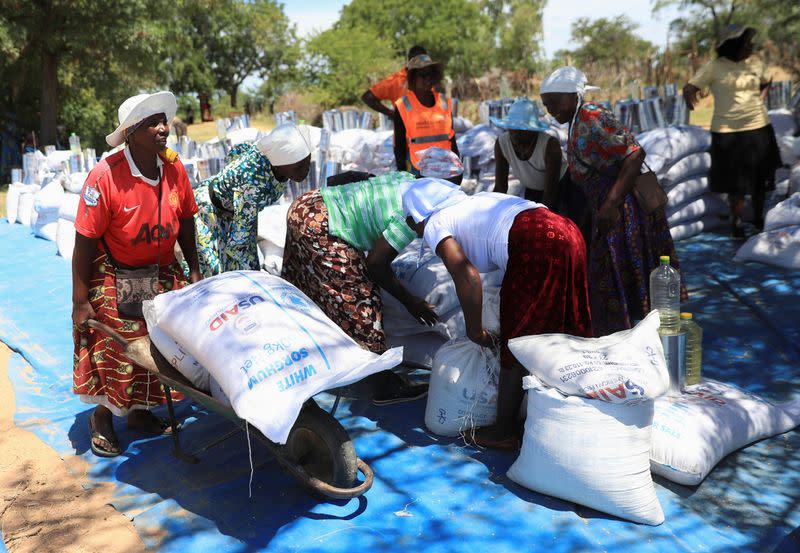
column 425, row 127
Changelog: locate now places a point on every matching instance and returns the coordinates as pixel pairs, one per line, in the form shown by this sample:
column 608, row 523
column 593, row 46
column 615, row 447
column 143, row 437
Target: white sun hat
column 139, row 107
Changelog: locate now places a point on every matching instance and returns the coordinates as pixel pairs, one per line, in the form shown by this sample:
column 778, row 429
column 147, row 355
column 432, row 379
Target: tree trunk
column 48, row 105
column 234, row 90
column 205, row 108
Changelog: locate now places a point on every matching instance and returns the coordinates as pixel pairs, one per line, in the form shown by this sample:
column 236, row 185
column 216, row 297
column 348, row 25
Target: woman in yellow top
column 744, row 152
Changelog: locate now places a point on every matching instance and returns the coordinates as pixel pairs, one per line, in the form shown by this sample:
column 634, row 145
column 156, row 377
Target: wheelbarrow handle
column 340, row 493
column 108, row 331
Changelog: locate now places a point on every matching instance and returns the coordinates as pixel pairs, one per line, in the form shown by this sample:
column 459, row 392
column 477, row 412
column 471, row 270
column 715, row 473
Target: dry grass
column 200, row 132
column 701, row 115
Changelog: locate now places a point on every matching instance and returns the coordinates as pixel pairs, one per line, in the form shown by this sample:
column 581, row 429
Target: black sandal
column 164, row 427
column 98, row 450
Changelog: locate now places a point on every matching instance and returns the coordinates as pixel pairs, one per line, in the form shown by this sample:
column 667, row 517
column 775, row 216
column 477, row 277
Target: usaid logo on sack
column 232, row 313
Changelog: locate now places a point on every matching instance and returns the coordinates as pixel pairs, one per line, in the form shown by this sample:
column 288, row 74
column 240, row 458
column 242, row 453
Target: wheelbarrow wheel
column 319, row 444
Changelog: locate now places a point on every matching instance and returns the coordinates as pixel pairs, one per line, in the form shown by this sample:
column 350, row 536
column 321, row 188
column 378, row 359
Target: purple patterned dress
column 619, row 262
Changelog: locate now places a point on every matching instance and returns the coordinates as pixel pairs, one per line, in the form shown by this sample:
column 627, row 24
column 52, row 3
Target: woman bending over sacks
column 134, row 205
column 327, row 232
column 604, row 161
column 544, row 288
column 254, row 178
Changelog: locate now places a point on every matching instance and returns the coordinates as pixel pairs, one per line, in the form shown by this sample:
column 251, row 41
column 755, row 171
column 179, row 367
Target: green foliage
column 777, row 23
column 455, row 32
column 341, row 64
column 230, row 40
column 187, row 63
column 608, row 41
column 517, row 31
column 59, row 43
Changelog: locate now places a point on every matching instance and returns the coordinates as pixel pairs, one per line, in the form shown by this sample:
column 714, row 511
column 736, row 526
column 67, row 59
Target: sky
column 310, row 15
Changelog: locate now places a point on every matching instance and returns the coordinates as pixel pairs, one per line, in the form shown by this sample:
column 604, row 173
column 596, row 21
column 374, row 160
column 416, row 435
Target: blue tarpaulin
column 430, row 493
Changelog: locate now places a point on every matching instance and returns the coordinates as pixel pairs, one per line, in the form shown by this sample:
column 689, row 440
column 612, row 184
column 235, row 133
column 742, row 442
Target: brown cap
column 421, row 61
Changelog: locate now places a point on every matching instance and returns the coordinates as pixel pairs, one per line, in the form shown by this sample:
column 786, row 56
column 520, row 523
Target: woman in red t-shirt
column 135, row 204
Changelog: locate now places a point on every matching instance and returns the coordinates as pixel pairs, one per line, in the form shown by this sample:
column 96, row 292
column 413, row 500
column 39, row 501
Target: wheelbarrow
column 318, row 451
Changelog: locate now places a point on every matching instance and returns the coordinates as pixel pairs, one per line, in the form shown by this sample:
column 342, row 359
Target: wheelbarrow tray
column 144, row 353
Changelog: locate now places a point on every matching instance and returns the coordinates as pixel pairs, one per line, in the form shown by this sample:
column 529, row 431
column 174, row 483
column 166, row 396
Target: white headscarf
column 425, row 197
column 286, row 144
column 567, row 79
column 570, row 80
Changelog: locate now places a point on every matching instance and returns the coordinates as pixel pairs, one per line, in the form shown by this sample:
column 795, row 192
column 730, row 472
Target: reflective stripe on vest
column 407, row 103
column 428, row 139
column 443, row 99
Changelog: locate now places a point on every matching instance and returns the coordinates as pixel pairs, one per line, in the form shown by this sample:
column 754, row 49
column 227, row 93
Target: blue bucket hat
column 523, row 115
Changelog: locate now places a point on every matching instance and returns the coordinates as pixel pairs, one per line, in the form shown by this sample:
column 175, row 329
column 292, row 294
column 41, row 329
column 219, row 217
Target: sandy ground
column 43, row 505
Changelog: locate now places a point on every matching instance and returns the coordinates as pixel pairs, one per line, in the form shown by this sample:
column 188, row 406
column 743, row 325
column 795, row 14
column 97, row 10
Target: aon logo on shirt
column 152, row 233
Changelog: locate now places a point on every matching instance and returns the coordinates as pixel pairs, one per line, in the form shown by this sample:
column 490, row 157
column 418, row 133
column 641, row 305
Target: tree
column 455, row 32
column 609, row 41
column 187, row 64
column 245, row 38
column 720, row 11
column 517, row 30
column 55, row 34
column 341, row 63
column 777, row 23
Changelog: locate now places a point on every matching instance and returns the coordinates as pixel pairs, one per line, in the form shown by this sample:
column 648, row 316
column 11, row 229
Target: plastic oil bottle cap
column 686, row 316
column 664, row 259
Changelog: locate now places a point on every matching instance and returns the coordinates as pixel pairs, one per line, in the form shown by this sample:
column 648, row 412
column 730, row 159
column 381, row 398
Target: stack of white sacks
column 48, row 204
column 65, row 234
column 679, row 157
column 779, row 243
column 598, row 417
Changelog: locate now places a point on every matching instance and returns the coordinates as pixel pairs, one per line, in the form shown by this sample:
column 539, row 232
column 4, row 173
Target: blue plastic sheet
column 430, row 493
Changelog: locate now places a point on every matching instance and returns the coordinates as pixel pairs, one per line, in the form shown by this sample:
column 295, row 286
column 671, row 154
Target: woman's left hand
column 422, row 311
column 195, row 276
column 608, row 217
column 482, row 338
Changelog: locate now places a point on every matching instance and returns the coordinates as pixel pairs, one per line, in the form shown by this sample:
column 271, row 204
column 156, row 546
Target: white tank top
column 531, row 171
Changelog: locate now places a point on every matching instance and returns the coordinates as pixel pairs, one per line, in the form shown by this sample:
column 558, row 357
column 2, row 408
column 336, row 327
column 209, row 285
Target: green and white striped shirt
column 360, row 212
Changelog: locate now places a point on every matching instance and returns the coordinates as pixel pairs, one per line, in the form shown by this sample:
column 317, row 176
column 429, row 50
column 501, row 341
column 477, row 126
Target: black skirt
column 744, row 162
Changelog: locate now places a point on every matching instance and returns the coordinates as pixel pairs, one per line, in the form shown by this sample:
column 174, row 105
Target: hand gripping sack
column 266, row 344
column 624, row 367
column 590, row 452
column 424, row 275
column 694, row 431
column 463, row 388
